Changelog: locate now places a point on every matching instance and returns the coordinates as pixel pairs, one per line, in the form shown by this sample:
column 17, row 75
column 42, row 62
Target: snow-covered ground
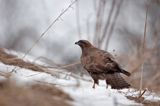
column 85, row 95
column 80, row 90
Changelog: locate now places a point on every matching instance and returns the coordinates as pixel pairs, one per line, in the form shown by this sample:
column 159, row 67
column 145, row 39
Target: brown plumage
column 101, row 65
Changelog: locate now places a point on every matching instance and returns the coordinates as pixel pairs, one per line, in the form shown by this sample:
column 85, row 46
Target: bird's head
column 84, row 44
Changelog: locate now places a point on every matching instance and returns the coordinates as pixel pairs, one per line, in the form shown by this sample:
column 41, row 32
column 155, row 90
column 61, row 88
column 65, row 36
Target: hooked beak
column 76, row 43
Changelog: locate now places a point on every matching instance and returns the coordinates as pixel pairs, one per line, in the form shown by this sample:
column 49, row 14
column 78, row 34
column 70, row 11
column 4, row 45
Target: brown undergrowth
column 12, row 94
column 10, row 59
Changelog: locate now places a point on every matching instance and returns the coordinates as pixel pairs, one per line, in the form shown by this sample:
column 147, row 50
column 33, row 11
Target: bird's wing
column 111, row 66
column 116, row 81
column 103, row 62
column 100, row 61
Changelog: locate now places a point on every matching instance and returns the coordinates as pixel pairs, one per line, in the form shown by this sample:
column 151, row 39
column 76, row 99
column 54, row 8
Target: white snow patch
column 85, row 95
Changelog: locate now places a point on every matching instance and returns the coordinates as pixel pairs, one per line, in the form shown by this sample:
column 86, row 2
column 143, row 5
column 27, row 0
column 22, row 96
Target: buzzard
column 101, row 65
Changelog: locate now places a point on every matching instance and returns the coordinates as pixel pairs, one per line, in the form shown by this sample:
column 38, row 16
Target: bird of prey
column 101, row 65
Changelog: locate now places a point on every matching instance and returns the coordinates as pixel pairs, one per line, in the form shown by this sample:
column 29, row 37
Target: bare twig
column 99, row 20
column 53, row 84
column 64, row 66
column 45, row 60
column 142, row 93
column 113, row 24
column 78, row 20
column 95, row 5
column 143, row 48
column 106, row 27
column 88, row 27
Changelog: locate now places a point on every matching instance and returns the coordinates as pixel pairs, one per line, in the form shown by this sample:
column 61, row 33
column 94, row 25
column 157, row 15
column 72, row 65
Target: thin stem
column 143, row 49
column 113, row 24
column 106, row 27
column 78, row 20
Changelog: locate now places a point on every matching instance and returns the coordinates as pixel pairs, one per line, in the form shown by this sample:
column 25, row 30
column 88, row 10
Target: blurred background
column 113, row 25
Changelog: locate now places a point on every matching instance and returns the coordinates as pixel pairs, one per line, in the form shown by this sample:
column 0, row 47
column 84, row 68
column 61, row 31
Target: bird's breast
column 85, row 61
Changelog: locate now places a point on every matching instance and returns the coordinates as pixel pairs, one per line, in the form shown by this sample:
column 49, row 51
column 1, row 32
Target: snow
column 80, row 90
column 85, row 95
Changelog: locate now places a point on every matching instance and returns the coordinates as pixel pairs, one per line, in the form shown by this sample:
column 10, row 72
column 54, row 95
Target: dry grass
column 10, row 59
column 36, row 95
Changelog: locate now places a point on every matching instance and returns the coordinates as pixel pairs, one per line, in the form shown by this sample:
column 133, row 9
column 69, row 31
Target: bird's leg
column 106, row 86
column 95, row 82
column 93, row 85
